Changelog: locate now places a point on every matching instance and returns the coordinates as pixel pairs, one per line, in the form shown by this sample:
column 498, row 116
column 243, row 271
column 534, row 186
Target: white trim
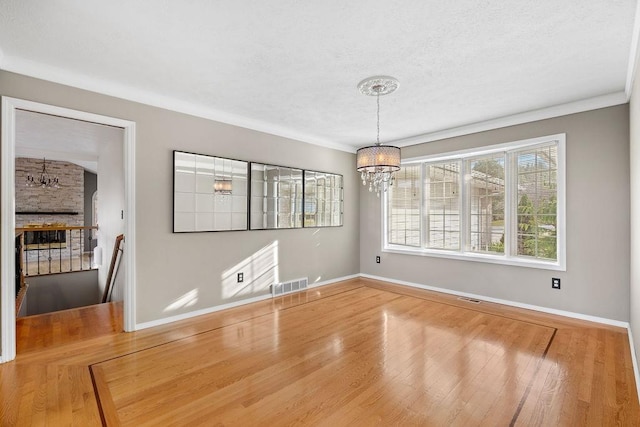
column 331, row 281
column 208, row 310
column 634, row 361
column 215, row 308
column 486, row 149
column 564, row 313
column 616, row 98
column 7, row 210
column 129, row 154
column 509, row 257
column 561, row 198
column 7, row 236
column 473, row 256
column 65, row 77
column 633, row 54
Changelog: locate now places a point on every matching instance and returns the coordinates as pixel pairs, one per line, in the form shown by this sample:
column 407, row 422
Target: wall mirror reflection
column 209, row 193
column 276, row 197
column 323, row 199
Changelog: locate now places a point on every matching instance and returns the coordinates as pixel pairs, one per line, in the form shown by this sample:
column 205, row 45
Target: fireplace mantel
column 47, row 213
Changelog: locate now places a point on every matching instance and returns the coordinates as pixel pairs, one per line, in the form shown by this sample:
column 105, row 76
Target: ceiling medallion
column 377, row 163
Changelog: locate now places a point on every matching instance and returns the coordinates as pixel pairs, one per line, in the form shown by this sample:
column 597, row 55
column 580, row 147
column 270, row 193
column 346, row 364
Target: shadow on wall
column 259, row 272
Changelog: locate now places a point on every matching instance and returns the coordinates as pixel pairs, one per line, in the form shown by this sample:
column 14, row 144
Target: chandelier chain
column 378, row 122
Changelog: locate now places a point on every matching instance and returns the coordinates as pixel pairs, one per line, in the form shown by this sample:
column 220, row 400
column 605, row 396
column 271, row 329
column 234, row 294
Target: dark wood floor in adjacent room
column 359, row 352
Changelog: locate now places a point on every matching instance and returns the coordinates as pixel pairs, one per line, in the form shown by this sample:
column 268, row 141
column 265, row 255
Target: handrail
column 43, row 228
column 50, row 249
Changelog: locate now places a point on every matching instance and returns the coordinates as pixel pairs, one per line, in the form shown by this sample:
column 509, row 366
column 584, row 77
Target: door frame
column 7, row 213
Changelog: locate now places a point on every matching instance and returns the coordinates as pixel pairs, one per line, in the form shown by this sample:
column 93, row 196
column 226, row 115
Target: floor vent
column 283, row 288
column 475, row 301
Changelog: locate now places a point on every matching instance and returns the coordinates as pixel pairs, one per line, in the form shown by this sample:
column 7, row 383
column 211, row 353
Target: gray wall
column 634, row 155
column 56, row 292
column 597, row 278
column 174, row 266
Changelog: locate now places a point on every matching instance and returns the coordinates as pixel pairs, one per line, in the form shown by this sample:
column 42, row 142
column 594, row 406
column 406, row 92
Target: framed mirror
column 323, row 199
column 276, row 197
column 209, row 193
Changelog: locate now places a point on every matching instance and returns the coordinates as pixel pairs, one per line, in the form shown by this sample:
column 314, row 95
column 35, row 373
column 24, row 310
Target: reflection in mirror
column 209, row 193
column 276, row 197
column 323, row 200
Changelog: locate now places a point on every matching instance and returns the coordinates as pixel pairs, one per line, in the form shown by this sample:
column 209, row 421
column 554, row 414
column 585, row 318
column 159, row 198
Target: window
column 404, row 207
column 442, row 198
column 485, row 180
column 502, row 203
column 537, row 202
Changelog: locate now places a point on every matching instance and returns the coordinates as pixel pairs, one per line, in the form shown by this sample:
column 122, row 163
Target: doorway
column 10, row 108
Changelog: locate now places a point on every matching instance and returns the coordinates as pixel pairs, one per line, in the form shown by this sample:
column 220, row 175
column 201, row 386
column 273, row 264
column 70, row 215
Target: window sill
column 476, row 257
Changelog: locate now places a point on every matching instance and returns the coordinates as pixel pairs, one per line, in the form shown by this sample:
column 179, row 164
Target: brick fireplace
column 38, row 207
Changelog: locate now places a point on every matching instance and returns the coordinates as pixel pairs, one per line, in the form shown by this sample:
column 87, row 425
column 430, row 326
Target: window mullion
column 425, row 206
column 510, row 205
column 464, row 207
column 421, row 191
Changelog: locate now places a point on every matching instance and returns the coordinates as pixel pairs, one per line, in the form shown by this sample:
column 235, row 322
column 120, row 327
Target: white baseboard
column 571, row 314
column 207, row 310
column 331, row 281
column 634, row 360
column 233, row 304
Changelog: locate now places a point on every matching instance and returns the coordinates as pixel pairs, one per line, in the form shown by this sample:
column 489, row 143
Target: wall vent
column 295, row 285
column 474, row 301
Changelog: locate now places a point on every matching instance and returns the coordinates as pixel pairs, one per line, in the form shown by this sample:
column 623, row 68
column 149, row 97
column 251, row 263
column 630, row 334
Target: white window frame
column 507, row 258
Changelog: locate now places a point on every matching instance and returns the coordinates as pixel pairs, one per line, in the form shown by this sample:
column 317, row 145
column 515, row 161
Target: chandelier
column 222, row 186
column 44, row 180
column 377, row 163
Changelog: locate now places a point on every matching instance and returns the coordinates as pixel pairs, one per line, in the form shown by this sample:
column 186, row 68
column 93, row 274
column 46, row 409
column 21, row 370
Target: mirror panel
column 276, row 197
column 323, row 199
column 209, row 193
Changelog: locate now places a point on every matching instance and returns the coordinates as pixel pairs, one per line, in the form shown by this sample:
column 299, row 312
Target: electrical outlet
column 377, row 260
column 555, row 283
column 240, row 277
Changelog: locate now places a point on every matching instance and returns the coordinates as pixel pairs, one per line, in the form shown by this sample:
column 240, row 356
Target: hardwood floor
column 359, row 352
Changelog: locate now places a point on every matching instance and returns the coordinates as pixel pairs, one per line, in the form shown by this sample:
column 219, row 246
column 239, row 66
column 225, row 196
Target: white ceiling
column 290, row 67
column 57, row 138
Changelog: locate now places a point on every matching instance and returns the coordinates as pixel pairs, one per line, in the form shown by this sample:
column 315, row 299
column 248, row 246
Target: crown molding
column 588, row 104
column 129, row 93
column 65, row 77
column 633, row 54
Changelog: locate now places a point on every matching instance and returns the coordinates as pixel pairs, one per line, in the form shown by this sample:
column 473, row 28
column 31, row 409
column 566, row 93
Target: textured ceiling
column 291, row 67
column 58, row 138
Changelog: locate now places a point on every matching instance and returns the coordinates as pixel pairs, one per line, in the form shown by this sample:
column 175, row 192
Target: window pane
column 404, row 207
column 537, row 202
column 323, row 199
column 486, row 190
column 443, row 205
